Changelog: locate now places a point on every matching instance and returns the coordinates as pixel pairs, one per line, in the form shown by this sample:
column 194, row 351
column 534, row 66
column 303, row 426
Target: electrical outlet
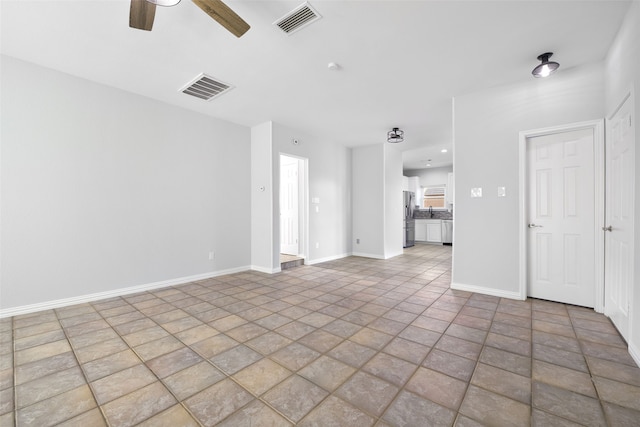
column 358, row 241
column 317, row 245
column 212, row 255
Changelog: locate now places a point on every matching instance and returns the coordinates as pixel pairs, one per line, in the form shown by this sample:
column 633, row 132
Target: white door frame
column 598, row 134
column 303, row 205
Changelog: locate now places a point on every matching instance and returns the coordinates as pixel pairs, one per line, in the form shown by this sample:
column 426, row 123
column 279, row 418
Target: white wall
column 329, row 171
column 487, row 125
column 368, row 200
column 393, row 201
column 431, row 177
column 262, row 190
column 104, row 190
column 377, row 201
column 623, row 72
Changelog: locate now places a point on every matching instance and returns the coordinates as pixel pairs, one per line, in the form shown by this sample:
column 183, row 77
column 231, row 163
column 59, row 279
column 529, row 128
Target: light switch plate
column 502, row 191
column 476, row 192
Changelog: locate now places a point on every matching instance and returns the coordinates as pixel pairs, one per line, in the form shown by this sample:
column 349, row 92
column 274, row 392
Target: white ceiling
column 400, row 61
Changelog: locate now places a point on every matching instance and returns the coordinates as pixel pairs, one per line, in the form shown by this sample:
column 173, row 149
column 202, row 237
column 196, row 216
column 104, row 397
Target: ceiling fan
column 142, row 13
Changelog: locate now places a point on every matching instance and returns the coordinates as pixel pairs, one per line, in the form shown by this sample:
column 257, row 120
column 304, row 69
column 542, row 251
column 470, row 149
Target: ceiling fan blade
column 224, row 15
column 141, row 14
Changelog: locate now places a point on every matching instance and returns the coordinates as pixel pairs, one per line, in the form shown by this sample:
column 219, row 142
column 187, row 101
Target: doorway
column 292, row 211
column 561, row 214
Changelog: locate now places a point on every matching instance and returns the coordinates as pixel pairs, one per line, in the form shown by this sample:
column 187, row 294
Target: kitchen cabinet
column 450, row 190
column 429, row 230
column 421, row 230
column 414, row 186
column 434, row 231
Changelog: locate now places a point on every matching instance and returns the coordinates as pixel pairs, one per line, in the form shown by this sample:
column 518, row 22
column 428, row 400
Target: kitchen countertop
column 424, row 214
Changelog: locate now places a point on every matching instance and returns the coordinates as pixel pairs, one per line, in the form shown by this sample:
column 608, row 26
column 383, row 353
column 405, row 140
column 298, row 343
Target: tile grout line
column 86, row 379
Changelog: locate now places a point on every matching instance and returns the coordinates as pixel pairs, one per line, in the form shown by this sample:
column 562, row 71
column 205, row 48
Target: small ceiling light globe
column 547, row 67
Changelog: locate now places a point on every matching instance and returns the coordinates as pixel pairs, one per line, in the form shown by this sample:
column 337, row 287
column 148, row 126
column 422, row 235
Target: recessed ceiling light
column 444, row 150
column 333, row 66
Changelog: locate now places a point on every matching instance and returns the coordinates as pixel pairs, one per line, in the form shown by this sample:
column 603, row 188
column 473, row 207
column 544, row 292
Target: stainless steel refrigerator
column 409, row 224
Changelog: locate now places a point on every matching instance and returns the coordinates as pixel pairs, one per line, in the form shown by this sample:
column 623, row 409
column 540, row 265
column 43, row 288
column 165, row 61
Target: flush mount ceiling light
column 546, row 67
column 395, row 135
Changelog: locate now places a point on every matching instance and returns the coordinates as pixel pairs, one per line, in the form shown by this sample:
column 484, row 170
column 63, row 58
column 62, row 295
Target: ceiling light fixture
column 395, row 135
column 164, row 3
column 546, row 67
column 444, row 150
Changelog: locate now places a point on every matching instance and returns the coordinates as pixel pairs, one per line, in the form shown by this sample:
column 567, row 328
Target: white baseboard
column 265, row 269
column 486, row 291
column 64, row 302
column 366, row 255
column 325, row 259
column 635, row 354
column 393, row 254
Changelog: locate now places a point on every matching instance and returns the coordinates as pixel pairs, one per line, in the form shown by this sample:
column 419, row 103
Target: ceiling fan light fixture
column 164, row 3
column 395, row 135
column 546, row 67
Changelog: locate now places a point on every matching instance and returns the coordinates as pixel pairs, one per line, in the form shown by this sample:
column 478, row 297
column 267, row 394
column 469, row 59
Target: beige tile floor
column 353, row 342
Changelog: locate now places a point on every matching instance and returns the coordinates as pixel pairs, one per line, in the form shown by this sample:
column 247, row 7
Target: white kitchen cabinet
column 434, row 231
column 450, row 189
column 421, row 230
column 429, row 230
column 414, row 186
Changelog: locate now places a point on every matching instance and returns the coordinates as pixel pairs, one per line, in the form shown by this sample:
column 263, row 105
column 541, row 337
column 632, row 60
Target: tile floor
column 353, row 342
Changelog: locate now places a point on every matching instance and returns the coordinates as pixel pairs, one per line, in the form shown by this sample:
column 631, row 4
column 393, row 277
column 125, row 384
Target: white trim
column 598, row 132
column 47, row 305
column 266, row 269
column 326, row 259
column 635, row 354
column 393, row 254
column 366, row 255
column 486, row 291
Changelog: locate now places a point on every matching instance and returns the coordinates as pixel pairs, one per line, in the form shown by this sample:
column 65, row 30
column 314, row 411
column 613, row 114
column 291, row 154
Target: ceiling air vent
column 206, row 87
column 298, row 18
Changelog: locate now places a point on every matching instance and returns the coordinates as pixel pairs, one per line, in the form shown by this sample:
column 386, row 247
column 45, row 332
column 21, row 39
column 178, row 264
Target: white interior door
column 619, row 216
column 289, row 229
column 561, row 217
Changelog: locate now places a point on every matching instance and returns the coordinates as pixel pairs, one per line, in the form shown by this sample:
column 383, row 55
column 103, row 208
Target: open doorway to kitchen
column 292, row 212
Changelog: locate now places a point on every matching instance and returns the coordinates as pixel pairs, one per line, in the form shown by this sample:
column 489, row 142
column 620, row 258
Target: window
column 434, row 197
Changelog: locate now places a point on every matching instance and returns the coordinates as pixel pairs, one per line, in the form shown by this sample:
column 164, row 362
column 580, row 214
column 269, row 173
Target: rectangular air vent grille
column 206, row 87
column 298, row 18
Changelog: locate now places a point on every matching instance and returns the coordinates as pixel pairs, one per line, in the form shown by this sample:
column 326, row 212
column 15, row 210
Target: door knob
column 609, row 228
column 534, row 226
